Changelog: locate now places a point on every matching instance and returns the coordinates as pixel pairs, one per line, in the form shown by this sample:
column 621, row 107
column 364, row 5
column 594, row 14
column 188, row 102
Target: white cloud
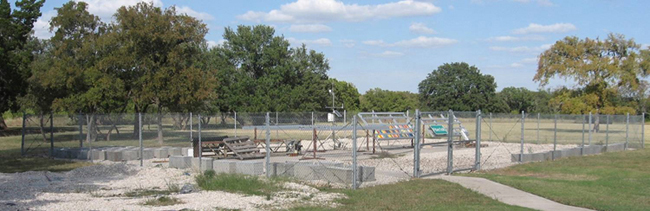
column 319, row 11
column 553, row 28
column 389, row 54
column 348, row 43
column 419, row 42
column 514, row 39
column 199, row 15
column 530, row 60
column 521, row 49
column 516, row 65
column 212, row 43
column 451, row 7
column 420, row 28
column 546, row 3
column 310, row 28
column 42, row 25
column 321, row 41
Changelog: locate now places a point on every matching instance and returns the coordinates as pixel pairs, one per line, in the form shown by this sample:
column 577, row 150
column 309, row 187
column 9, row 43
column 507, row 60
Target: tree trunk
column 3, row 125
column 187, row 121
column 160, row 125
column 42, row 126
column 596, row 122
column 178, row 118
column 136, row 126
column 92, row 133
column 223, row 118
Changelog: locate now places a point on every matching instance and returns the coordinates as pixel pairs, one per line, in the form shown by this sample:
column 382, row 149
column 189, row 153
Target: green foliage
column 459, row 87
column 347, row 94
column 380, row 100
column 259, row 72
column 15, row 33
column 601, row 68
column 521, row 99
column 236, row 183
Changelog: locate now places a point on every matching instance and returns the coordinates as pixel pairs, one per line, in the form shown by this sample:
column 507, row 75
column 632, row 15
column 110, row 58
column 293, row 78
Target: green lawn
column 418, row 194
column 611, row 181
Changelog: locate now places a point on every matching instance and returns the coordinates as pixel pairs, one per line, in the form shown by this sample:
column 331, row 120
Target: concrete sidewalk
column 506, row 194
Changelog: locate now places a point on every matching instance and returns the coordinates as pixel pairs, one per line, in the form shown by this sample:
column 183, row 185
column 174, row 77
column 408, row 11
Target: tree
column 598, row 67
column 15, row 31
column 259, row 72
column 459, row 87
column 380, row 100
column 521, row 99
column 347, row 94
column 158, row 55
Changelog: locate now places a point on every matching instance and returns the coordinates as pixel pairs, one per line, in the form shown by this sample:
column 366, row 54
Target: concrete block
column 98, row 154
column 205, row 164
column 114, row 154
column 573, row 152
column 83, row 154
column 250, row 167
column 184, row 151
column 309, row 171
column 224, row 166
column 180, row 162
column 593, row 149
column 130, row 154
column 615, row 147
column 337, row 174
column 160, row 153
column 367, row 173
column 174, row 151
column 537, row 157
column 147, row 153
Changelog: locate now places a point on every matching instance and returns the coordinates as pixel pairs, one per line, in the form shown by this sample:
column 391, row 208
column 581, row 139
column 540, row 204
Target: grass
column 171, row 188
column 13, row 165
column 611, row 181
column 418, row 194
column 236, row 183
column 163, row 201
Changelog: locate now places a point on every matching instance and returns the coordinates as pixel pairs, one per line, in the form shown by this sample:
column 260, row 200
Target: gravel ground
column 102, row 187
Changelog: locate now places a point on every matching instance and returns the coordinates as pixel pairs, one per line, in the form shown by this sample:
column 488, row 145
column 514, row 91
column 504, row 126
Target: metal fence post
column 312, row 119
column 235, row 124
column 81, row 131
column 582, row 146
column 538, row 128
column 52, row 134
column 416, row 148
column 355, row 172
column 191, row 131
column 521, row 153
column 643, row 130
column 477, row 162
column 140, row 138
column 607, row 132
column 590, row 129
column 450, row 142
column 200, row 144
column 627, row 129
column 268, row 147
column 345, row 117
column 22, row 139
column 554, row 137
column 90, row 143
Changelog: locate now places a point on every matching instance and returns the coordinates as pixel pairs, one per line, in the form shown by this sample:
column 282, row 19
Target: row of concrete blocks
column 248, row 167
column 118, row 153
column 573, row 152
column 325, row 171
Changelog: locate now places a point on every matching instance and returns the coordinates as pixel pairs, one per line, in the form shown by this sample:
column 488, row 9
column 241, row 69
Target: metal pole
column 52, row 134
column 554, row 137
column 140, row 137
column 537, row 128
column 312, row 119
column 590, row 129
column 81, row 132
column 355, row 173
column 521, row 154
column 450, row 142
column 607, row 132
column 268, row 145
column 90, row 143
column 200, row 144
column 477, row 162
column 643, row 130
column 191, row 131
column 627, row 130
column 235, row 124
column 22, row 139
column 490, row 132
column 345, row 117
column 416, row 151
column 582, row 147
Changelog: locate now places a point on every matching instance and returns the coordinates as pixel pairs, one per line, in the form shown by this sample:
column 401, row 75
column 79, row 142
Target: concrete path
column 507, row 194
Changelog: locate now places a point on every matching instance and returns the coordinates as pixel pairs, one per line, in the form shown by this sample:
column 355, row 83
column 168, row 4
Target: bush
column 236, row 183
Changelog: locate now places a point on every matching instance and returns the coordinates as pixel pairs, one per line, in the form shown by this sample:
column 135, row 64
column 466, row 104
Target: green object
column 438, row 130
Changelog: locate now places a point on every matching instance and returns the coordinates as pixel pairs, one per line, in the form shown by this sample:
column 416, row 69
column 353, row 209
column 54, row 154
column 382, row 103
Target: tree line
column 156, row 60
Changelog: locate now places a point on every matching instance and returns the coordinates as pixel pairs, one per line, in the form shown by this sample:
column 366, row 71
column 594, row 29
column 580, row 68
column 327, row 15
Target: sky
column 395, row 44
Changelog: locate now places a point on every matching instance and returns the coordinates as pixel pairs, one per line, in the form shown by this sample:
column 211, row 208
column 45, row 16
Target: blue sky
column 393, row 44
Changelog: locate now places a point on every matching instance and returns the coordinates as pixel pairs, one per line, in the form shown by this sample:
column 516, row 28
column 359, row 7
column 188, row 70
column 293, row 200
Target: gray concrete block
column 130, row 154
column 310, row 171
column 180, row 162
column 337, row 174
column 114, row 154
column 205, row 164
column 98, row 154
column 174, row 151
column 250, row 167
column 537, row 157
column 148, row 153
column 573, row 152
column 367, row 173
column 593, row 149
column 160, row 153
column 615, row 147
column 224, row 166
column 184, row 151
column 83, row 154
